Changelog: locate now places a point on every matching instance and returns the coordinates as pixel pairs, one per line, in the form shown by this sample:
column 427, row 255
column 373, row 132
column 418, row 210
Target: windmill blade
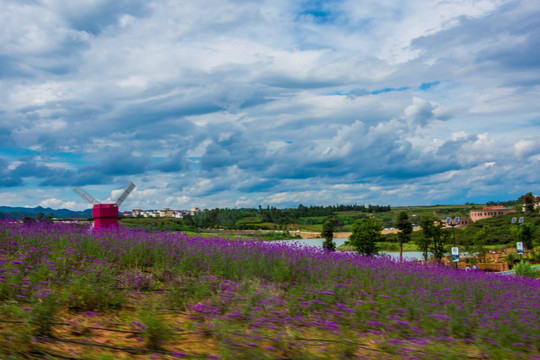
column 125, row 193
column 86, row 196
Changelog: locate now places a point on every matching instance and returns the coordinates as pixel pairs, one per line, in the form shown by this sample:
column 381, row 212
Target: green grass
column 251, row 220
column 156, row 223
column 385, row 246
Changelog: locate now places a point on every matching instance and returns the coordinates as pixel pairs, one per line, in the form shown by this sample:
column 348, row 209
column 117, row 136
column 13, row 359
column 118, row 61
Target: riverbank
column 317, row 235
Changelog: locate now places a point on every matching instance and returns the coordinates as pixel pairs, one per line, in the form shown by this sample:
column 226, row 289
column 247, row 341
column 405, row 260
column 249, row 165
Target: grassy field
column 69, row 292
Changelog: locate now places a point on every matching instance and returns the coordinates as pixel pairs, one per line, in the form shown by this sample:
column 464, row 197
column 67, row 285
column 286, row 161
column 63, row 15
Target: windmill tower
column 105, row 215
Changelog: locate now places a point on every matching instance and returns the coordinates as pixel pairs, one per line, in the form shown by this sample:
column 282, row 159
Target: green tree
column 528, row 203
column 188, row 220
column 423, row 243
column 328, row 235
column 480, row 242
column 364, row 237
column 510, row 259
column 433, row 237
column 338, row 222
column 440, row 239
column 40, row 216
column 466, row 245
column 526, row 232
column 405, row 228
column 533, row 255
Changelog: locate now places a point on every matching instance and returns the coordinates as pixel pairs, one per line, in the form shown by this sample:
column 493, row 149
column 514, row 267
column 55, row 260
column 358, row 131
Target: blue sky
column 243, row 103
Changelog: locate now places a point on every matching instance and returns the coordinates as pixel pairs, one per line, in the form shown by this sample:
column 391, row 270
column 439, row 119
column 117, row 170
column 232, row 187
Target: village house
column 490, row 211
column 164, row 213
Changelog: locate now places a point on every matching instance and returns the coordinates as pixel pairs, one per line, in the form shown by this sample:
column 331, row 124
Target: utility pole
column 519, row 244
column 455, row 250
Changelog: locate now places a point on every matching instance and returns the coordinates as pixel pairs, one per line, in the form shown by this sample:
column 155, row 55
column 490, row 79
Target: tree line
column 231, row 218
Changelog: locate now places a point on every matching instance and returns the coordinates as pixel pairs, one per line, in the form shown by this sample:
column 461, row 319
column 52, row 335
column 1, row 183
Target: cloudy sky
column 236, row 103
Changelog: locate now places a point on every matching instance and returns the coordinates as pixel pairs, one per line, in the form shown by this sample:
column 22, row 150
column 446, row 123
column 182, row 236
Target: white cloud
column 59, row 204
column 387, row 28
column 10, row 199
column 38, row 94
column 244, row 202
column 527, row 147
column 271, row 103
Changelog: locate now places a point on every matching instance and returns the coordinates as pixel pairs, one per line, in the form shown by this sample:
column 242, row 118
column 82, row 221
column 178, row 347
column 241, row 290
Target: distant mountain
column 22, row 212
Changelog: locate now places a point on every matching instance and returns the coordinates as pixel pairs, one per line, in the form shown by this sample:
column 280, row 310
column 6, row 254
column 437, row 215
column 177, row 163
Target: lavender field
column 69, row 292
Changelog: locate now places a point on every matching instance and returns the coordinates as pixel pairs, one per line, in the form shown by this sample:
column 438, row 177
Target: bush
column 534, row 255
column 40, row 318
column 510, row 259
column 91, row 292
column 524, row 268
column 155, row 331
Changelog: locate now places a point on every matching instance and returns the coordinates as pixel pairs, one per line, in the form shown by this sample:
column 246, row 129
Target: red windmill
column 105, row 215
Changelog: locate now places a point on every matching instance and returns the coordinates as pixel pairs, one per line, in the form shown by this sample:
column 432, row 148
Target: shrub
column 86, row 292
column 155, row 331
column 534, row 255
column 510, row 259
column 40, row 318
column 524, row 268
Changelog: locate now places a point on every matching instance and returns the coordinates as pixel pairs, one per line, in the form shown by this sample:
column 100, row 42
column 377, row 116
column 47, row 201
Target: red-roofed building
column 489, row 212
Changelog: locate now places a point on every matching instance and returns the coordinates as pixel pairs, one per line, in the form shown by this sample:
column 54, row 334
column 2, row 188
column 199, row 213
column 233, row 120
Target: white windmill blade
column 86, row 196
column 125, row 193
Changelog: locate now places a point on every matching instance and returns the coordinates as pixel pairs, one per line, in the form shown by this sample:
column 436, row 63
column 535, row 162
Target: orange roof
column 497, row 207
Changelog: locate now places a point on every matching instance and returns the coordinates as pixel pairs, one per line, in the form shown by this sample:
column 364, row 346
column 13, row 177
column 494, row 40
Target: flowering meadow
column 67, row 291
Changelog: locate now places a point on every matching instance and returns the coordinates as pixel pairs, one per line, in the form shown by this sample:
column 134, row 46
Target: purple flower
column 139, row 326
column 441, row 317
column 178, row 354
